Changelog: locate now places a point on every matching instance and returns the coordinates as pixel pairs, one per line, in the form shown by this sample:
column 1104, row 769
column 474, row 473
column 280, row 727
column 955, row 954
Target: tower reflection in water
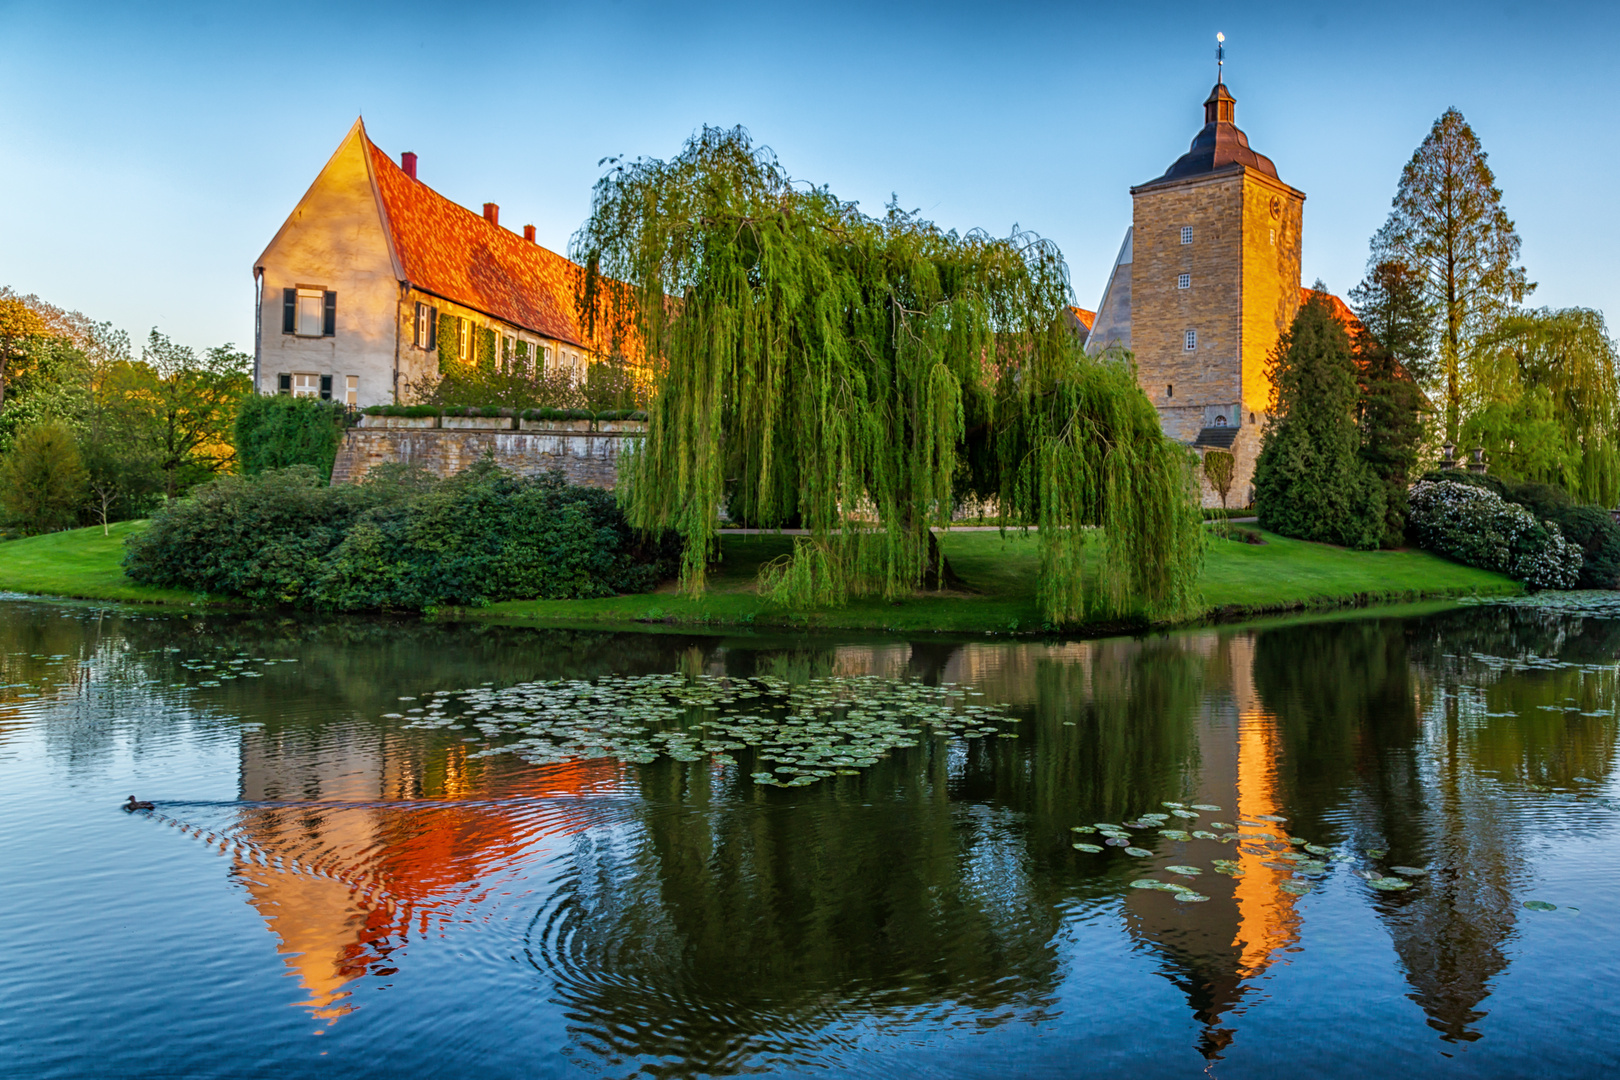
column 721, row 924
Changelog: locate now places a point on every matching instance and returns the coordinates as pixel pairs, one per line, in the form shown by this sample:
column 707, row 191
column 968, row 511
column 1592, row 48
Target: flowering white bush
column 1477, row 527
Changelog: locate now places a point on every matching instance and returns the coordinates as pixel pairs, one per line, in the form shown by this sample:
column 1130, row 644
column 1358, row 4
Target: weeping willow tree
column 845, row 373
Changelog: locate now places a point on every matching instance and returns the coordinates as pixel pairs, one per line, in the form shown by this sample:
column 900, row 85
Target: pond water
column 349, row 872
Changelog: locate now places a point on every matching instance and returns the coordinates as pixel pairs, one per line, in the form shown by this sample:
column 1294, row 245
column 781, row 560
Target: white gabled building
column 375, row 277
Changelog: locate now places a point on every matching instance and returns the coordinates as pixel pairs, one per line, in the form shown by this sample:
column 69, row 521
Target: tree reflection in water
column 691, row 922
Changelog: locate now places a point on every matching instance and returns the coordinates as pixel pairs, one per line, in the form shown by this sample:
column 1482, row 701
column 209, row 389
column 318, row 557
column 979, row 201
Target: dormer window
column 1186, row 234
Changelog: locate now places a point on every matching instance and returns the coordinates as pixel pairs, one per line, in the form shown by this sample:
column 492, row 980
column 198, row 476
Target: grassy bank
column 83, row 564
column 999, row 573
column 1240, row 580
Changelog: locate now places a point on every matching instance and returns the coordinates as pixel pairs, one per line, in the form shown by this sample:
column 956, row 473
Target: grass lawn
column 80, row 563
column 1239, row 580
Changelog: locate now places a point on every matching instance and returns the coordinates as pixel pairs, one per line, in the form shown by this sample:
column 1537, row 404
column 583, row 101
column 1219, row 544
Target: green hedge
column 399, row 541
column 274, row 432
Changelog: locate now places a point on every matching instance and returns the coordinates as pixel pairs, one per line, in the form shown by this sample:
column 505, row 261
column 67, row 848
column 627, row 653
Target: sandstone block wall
column 1161, row 312
column 590, row 458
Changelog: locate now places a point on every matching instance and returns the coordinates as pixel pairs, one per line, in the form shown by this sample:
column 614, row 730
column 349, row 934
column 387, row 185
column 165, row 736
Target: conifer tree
column 1449, row 225
column 1393, row 350
column 1310, row 480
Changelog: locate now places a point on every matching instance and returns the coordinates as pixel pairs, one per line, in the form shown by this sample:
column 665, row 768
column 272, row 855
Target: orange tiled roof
column 1341, row 310
column 1086, row 317
column 449, row 251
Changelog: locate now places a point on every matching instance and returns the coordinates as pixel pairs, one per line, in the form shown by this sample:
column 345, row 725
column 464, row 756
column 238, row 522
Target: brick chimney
column 407, row 161
column 492, row 213
column 528, row 233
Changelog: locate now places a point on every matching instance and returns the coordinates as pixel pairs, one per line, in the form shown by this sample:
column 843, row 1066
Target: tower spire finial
column 1220, row 57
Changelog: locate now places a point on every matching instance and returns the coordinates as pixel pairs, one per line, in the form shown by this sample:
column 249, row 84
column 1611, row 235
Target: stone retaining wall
column 590, row 458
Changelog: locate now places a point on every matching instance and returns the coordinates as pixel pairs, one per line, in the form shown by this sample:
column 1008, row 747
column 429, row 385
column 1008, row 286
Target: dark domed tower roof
column 1220, row 146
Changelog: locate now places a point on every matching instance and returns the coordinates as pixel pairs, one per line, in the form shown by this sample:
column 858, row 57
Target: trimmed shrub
column 1476, row 526
column 276, row 432
column 401, row 540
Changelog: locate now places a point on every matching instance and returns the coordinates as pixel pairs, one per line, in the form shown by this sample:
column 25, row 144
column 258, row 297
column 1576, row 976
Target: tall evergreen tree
column 1394, row 350
column 1310, row 480
column 1449, row 225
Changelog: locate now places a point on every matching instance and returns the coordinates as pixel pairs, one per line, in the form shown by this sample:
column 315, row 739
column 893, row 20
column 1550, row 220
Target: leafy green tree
column 1220, row 468
column 42, row 479
column 193, row 400
column 1546, row 401
column 830, row 366
column 19, row 325
column 1449, row 226
column 1310, row 480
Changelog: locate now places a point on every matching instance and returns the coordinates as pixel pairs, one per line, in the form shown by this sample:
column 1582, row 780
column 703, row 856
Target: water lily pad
column 1390, row 884
column 1150, row 883
column 1298, row 888
column 1206, row 807
column 1083, row 828
column 1138, row 853
column 1175, row 834
column 1118, row 841
column 1224, row 826
column 1278, row 818
column 1092, row 848
column 1190, row 815
column 1184, row 871
column 1204, row 834
column 1174, row 805
column 1187, row 896
column 1318, row 849
column 1376, row 853
column 1410, row 871
column 1539, row 905
column 1229, row 867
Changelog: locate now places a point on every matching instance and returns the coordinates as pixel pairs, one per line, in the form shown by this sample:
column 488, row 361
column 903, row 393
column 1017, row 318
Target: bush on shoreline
column 1476, row 526
column 1592, row 528
column 400, row 541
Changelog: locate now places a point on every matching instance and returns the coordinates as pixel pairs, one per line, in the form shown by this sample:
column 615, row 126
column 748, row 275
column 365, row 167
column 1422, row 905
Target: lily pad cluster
column 1261, row 836
column 795, row 733
column 224, row 669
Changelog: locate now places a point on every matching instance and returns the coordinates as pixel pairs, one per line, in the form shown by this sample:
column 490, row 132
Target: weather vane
column 1220, row 55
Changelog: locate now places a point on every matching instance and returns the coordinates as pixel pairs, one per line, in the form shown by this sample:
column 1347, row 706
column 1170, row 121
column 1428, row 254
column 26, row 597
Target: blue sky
column 148, row 152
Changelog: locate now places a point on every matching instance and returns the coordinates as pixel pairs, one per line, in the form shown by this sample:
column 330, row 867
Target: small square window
column 1186, row 234
column 1191, row 341
column 351, row 390
column 305, row 384
column 1184, row 281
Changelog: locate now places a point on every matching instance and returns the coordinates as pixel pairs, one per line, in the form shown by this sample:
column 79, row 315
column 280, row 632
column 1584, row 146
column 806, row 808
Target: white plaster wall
column 335, row 240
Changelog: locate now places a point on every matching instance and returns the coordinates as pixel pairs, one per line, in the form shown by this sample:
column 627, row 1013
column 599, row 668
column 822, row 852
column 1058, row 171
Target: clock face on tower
column 1276, row 206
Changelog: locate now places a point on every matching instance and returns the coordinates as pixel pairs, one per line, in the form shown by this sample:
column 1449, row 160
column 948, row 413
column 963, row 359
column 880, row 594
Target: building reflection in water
column 724, row 927
column 345, row 865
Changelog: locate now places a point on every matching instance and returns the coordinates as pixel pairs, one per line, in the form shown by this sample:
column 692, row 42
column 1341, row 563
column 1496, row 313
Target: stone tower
column 1207, row 279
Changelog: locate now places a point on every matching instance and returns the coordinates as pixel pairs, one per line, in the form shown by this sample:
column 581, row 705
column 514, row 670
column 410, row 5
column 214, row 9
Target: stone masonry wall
column 1174, row 377
column 1271, row 249
column 589, row 458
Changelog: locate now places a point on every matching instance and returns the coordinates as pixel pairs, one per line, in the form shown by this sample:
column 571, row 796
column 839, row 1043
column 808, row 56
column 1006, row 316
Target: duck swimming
column 134, row 805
